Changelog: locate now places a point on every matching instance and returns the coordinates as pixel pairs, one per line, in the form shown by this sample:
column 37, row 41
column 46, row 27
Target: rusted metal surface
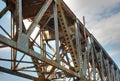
column 74, row 54
column 2, row 69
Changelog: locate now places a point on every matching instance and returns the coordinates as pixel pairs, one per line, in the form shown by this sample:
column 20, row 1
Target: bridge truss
column 56, row 46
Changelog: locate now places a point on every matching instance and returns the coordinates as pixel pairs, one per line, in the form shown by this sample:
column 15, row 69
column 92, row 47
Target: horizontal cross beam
column 2, row 69
column 34, row 54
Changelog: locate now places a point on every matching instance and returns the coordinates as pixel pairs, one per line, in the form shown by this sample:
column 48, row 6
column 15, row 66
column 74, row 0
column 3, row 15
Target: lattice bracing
column 55, row 46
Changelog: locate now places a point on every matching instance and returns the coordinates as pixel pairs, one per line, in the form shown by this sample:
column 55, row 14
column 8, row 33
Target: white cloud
column 107, row 31
column 92, row 9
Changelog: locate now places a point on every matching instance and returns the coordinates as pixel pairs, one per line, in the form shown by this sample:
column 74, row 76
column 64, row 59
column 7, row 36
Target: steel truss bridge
column 55, row 47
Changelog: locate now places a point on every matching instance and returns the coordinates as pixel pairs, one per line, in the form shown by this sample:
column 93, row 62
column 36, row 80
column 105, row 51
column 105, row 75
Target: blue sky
column 102, row 20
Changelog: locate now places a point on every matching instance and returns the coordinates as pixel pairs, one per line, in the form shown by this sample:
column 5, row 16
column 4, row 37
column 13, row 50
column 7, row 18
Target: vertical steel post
column 85, row 64
column 78, row 46
column 84, row 27
column 56, row 32
column 113, row 73
column 93, row 60
column 117, row 75
column 19, row 15
column 101, row 63
column 41, row 42
column 19, row 26
column 86, row 55
column 13, row 56
column 108, row 70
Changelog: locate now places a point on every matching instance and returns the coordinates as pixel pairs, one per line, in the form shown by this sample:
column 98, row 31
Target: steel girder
column 74, row 54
